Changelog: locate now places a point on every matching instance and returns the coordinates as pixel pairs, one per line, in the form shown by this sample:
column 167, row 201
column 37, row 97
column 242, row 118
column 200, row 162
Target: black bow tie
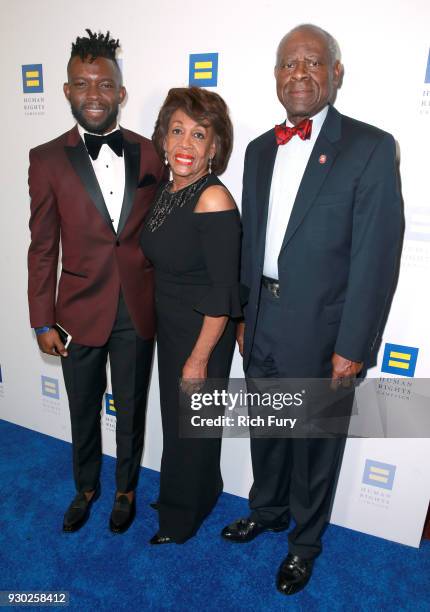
column 94, row 143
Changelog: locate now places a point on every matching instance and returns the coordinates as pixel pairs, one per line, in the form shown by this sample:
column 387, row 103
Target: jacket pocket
column 74, row 273
column 340, row 197
column 333, row 312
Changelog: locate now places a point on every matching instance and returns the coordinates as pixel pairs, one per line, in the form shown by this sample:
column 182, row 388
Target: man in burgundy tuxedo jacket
column 90, row 189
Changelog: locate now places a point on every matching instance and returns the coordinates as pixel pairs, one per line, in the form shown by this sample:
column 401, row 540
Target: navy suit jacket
column 338, row 261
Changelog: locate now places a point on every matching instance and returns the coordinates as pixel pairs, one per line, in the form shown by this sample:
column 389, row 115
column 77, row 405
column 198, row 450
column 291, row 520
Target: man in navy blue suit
column 322, row 226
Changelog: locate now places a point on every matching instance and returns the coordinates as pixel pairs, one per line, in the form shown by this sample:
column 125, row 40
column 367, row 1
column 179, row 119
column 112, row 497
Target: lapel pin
column 322, row 159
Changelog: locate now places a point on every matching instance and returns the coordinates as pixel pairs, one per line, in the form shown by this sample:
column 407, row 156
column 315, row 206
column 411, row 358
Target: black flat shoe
column 160, row 539
column 245, row 530
column 78, row 512
column 122, row 515
column 293, row 574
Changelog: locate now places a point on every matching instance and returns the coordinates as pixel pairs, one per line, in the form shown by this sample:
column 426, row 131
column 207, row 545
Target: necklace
column 168, row 201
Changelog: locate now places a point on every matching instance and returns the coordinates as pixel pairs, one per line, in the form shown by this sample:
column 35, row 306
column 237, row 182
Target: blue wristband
column 41, row 330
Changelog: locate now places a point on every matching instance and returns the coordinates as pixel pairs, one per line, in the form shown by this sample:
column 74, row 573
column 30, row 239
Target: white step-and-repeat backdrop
column 384, row 485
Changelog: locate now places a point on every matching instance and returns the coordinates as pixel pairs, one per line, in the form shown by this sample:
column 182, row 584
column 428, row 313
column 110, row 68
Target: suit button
column 118, row 243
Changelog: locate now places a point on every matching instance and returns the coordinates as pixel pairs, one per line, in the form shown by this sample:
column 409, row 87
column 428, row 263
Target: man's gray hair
column 332, row 44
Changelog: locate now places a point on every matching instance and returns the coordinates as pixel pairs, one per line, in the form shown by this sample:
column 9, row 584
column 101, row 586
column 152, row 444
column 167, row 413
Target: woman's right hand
column 240, row 335
column 194, row 374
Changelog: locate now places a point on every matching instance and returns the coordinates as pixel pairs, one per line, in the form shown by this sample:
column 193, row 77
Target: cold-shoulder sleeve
column 220, row 234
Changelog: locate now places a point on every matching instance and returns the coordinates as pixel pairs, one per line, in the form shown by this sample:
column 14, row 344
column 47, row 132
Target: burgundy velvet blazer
column 67, row 206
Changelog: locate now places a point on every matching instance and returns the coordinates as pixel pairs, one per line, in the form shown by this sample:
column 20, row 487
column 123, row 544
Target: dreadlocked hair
column 96, row 45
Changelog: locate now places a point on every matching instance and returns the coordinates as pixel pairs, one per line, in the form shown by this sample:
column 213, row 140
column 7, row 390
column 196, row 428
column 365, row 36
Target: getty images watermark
column 305, row 408
column 235, row 401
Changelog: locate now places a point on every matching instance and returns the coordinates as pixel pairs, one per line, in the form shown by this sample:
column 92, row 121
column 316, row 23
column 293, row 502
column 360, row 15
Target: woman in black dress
column 192, row 236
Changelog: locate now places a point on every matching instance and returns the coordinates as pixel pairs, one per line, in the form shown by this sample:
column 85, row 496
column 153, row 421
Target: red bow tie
column 284, row 133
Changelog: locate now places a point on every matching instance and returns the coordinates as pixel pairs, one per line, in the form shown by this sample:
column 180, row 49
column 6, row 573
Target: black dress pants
column 84, row 373
column 293, row 477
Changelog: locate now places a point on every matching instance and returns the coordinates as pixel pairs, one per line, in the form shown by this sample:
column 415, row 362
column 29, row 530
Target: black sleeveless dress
column 196, row 261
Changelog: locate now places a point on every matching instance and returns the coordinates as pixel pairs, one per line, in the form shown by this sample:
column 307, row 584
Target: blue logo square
column 399, row 359
column 32, row 78
column 427, row 79
column 203, row 69
column 1, row 377
column 418, row 224
column 379, row 474
column 50, row 387
column 110, row 405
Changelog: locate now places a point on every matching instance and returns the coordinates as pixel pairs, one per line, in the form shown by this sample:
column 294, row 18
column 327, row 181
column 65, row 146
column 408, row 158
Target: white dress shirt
column 290, row 164
column 110, row 172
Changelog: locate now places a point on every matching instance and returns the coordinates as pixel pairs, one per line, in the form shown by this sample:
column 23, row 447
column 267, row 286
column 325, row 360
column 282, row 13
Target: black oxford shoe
column 122, row 515
column 160, row 539
column 293, row 574
column 78, row 512
column 245, row 530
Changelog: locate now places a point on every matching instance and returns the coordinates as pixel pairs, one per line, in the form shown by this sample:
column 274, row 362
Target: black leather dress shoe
column 293, row 574
column 245, row 530
column 122, row 515
column 160, row 539
column 79, row 510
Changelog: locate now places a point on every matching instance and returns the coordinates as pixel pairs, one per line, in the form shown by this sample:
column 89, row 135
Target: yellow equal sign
column 394, row 355
column 203, row 66
column 112, row 405
column 379, row 474
column 32, row 78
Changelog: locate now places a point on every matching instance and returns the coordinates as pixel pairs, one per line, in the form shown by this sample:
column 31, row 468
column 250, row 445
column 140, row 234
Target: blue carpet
column 105, row 572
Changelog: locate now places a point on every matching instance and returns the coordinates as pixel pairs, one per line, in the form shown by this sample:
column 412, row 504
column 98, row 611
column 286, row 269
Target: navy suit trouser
column 293, row 477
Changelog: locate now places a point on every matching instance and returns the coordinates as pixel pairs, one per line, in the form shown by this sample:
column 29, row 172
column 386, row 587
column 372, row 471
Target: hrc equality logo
column 32, row 78
column 379, row 474
column 203, row 69
column 418, row 224
column 399, row 359
column 109, row 404
column 427, row 79
column 50, row 387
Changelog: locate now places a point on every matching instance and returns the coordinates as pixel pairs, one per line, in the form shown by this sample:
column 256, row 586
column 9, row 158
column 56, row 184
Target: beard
column 95, row 127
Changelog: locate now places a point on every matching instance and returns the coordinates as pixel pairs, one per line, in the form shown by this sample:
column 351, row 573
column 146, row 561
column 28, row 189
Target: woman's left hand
column 194, row 374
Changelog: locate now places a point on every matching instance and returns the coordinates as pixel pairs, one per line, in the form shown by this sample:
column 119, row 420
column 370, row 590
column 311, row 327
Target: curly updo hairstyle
column 205, row 107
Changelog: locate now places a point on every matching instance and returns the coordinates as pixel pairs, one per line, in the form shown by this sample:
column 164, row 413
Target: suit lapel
column 315, row 172
column 132, row 165
column 264, row 181
column 79, row 158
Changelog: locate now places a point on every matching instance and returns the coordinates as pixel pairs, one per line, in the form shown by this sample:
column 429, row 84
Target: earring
column 166, row 163
column 210, row 165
